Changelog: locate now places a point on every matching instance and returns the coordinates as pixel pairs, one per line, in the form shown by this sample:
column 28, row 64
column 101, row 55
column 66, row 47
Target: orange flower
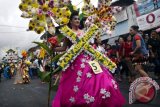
column 24, row 53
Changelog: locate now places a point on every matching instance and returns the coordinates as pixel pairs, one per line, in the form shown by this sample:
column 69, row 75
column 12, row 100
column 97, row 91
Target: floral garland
column 100, row 58
column 69, row 34
column 80, row 45
column 73, row 52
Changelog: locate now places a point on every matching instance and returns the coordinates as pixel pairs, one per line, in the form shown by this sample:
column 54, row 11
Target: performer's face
column 132, row 31
column 75, row 21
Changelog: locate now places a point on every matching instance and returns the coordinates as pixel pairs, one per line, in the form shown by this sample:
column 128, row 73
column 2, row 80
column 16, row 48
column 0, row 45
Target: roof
column 122, row 3
column 10, row 50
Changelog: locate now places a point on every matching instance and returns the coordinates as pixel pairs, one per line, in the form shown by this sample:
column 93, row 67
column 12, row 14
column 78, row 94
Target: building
column 126, row 17
column 144, row 13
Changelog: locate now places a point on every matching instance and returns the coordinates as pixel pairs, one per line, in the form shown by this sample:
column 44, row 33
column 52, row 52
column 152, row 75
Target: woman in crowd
column 127, row 50
column 139, row 51
column 154, row 49
column 120, row 56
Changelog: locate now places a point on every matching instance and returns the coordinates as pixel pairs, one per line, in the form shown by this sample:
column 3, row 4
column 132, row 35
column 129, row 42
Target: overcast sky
column 12, row 37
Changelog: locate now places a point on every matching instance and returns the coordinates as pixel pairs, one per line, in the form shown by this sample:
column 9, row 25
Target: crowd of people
column 22, row 71
column 126, row 58
column 132, row 54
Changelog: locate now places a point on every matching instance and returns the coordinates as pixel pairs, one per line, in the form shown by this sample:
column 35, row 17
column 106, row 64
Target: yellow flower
column 39, row 29
column 42, row 53
column 64, row 20
column 54, row 10
column 23, row 7
column 28, row 62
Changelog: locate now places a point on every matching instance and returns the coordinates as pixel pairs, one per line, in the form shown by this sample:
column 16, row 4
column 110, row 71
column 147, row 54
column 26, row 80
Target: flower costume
column 81, row 87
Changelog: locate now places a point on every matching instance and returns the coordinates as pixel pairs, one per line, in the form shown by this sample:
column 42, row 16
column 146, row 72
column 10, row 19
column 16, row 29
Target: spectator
column 1, row 70
column 154, row 49
column 120, row 56
column 128, row 65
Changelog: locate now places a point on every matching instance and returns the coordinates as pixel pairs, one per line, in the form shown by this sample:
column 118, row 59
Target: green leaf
column 60, row 37
column 57, row 70
column 81, row 16
column 70, row 6
column 56, row 58
column 45, row 76
column 55, row 87
column 44, row 46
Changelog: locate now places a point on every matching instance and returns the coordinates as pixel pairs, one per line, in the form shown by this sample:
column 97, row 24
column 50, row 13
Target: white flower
column 86, row 96
column 87, row 101
column 89, row 75
column 75, row 88
column 107, row 94
column 113, row 81
column 83, row 60
column 78, row 79
column 115, row 86
column 79, row 73
column 103, row 97
column 82, row 65
column 103, row 91
column 72, row 99
column 91, row 99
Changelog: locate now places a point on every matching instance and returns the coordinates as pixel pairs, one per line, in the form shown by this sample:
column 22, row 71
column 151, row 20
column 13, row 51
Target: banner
column 146, row 6
column 149, row 21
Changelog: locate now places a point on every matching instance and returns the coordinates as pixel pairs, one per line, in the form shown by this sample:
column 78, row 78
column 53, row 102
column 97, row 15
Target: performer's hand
column 131, row 53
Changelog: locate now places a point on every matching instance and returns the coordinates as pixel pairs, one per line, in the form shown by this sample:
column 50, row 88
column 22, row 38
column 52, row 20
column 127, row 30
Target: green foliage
column 44, row 76
column 55, row 87
column 44, row 46
column 81, row 16
column 60, row 37
column 56, row 58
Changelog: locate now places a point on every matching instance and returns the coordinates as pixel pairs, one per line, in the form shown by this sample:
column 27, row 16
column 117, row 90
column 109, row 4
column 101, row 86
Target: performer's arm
column 63, row 48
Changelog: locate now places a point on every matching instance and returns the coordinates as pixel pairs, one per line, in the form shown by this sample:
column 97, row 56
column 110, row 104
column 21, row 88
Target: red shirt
column 120, row 50
column 128, row 48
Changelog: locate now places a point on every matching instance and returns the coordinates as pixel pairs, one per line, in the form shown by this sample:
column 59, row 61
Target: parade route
column 35, row 94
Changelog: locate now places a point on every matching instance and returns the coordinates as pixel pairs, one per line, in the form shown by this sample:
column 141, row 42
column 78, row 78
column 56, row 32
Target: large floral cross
column 83, row 44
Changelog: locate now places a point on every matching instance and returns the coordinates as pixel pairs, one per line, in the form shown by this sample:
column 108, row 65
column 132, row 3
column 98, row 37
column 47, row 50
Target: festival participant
column 25, row 75
column 1, row 70
column 154, row 45
column 80, row 86
column 18, row 76
column 7, row 73
column 139, row 51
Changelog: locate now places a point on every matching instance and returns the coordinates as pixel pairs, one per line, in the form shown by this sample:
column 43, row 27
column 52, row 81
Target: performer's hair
column 74, row 13
column 135, row 27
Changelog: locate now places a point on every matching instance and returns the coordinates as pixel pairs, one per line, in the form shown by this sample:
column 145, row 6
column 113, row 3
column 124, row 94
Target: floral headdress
column 44, row 12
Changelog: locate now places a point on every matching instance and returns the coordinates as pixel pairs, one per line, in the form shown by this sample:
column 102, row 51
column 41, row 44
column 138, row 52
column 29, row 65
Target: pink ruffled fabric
column 80, row 87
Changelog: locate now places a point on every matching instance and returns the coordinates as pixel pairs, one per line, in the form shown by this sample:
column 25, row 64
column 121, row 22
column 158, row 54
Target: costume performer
column 81, row 87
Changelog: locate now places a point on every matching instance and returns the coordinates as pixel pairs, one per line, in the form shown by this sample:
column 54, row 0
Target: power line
column 79, row 3
column 12, row 26
column 15, row 32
